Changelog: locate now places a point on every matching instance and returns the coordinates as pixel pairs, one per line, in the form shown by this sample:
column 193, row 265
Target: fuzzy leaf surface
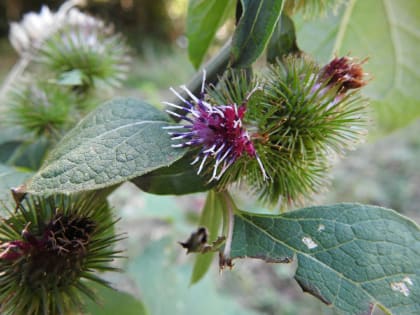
column 350, row 256
column 254, row 30
column 203, row 19
column 118, row 141
column 387, row 32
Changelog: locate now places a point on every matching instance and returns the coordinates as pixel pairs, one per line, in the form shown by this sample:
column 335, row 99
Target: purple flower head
column 216, row 129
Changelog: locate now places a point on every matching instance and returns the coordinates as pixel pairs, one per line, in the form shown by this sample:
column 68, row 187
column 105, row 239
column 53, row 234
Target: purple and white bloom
column 217, row 130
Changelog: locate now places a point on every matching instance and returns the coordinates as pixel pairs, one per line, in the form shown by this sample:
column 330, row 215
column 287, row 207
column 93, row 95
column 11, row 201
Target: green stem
column 228, row 225
column 215, row 67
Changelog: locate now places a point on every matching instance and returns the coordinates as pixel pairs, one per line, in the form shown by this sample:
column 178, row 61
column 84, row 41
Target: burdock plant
column 271, row 128
column 51, row 249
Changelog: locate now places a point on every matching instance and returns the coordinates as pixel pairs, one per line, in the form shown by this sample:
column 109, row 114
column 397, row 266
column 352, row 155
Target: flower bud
column 343, row 73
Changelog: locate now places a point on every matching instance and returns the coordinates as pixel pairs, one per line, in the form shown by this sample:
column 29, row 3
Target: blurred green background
column 384, row 171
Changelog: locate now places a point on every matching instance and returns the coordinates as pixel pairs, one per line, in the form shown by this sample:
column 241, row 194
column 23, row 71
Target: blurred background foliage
column 384, row 171
column 140, row 20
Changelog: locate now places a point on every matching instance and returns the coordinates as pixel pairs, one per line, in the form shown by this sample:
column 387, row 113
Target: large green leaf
column 203, row 19
column 254, row 30
column 387, row 32
column 350, row 256
column 120, row 140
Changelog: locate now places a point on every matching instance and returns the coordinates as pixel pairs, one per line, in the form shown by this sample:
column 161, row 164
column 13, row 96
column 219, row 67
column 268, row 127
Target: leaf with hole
column 350, row 256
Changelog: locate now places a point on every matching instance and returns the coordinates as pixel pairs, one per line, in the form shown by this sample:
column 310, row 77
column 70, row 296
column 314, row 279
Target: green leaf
column 177, row 179
column 113, row 302
column 204, row 17
column 386, row 31
column 254, row 30
column 350, row 256
column 283, row 40
column 118, row 141
column 73, row 78
column 10, row 177
column 211, row 218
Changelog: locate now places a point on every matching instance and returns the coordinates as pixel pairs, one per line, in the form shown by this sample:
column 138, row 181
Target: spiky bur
column 281, row 140
column 72, row 54
column 86, row 54
column 215, row 131
column 40, row 107
column 49, row 251
column 306, row 116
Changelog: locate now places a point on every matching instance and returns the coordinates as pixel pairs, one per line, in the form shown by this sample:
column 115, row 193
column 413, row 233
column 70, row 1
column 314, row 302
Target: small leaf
column 203, row 20
column 113, row 302
column 211, row 218
column 120, row 140
column 283, row 40
column 254, row 30
column 177, row 179
column 350, row 256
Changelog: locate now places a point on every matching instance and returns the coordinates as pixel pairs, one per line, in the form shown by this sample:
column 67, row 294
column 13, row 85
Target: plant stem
column 225, row 259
